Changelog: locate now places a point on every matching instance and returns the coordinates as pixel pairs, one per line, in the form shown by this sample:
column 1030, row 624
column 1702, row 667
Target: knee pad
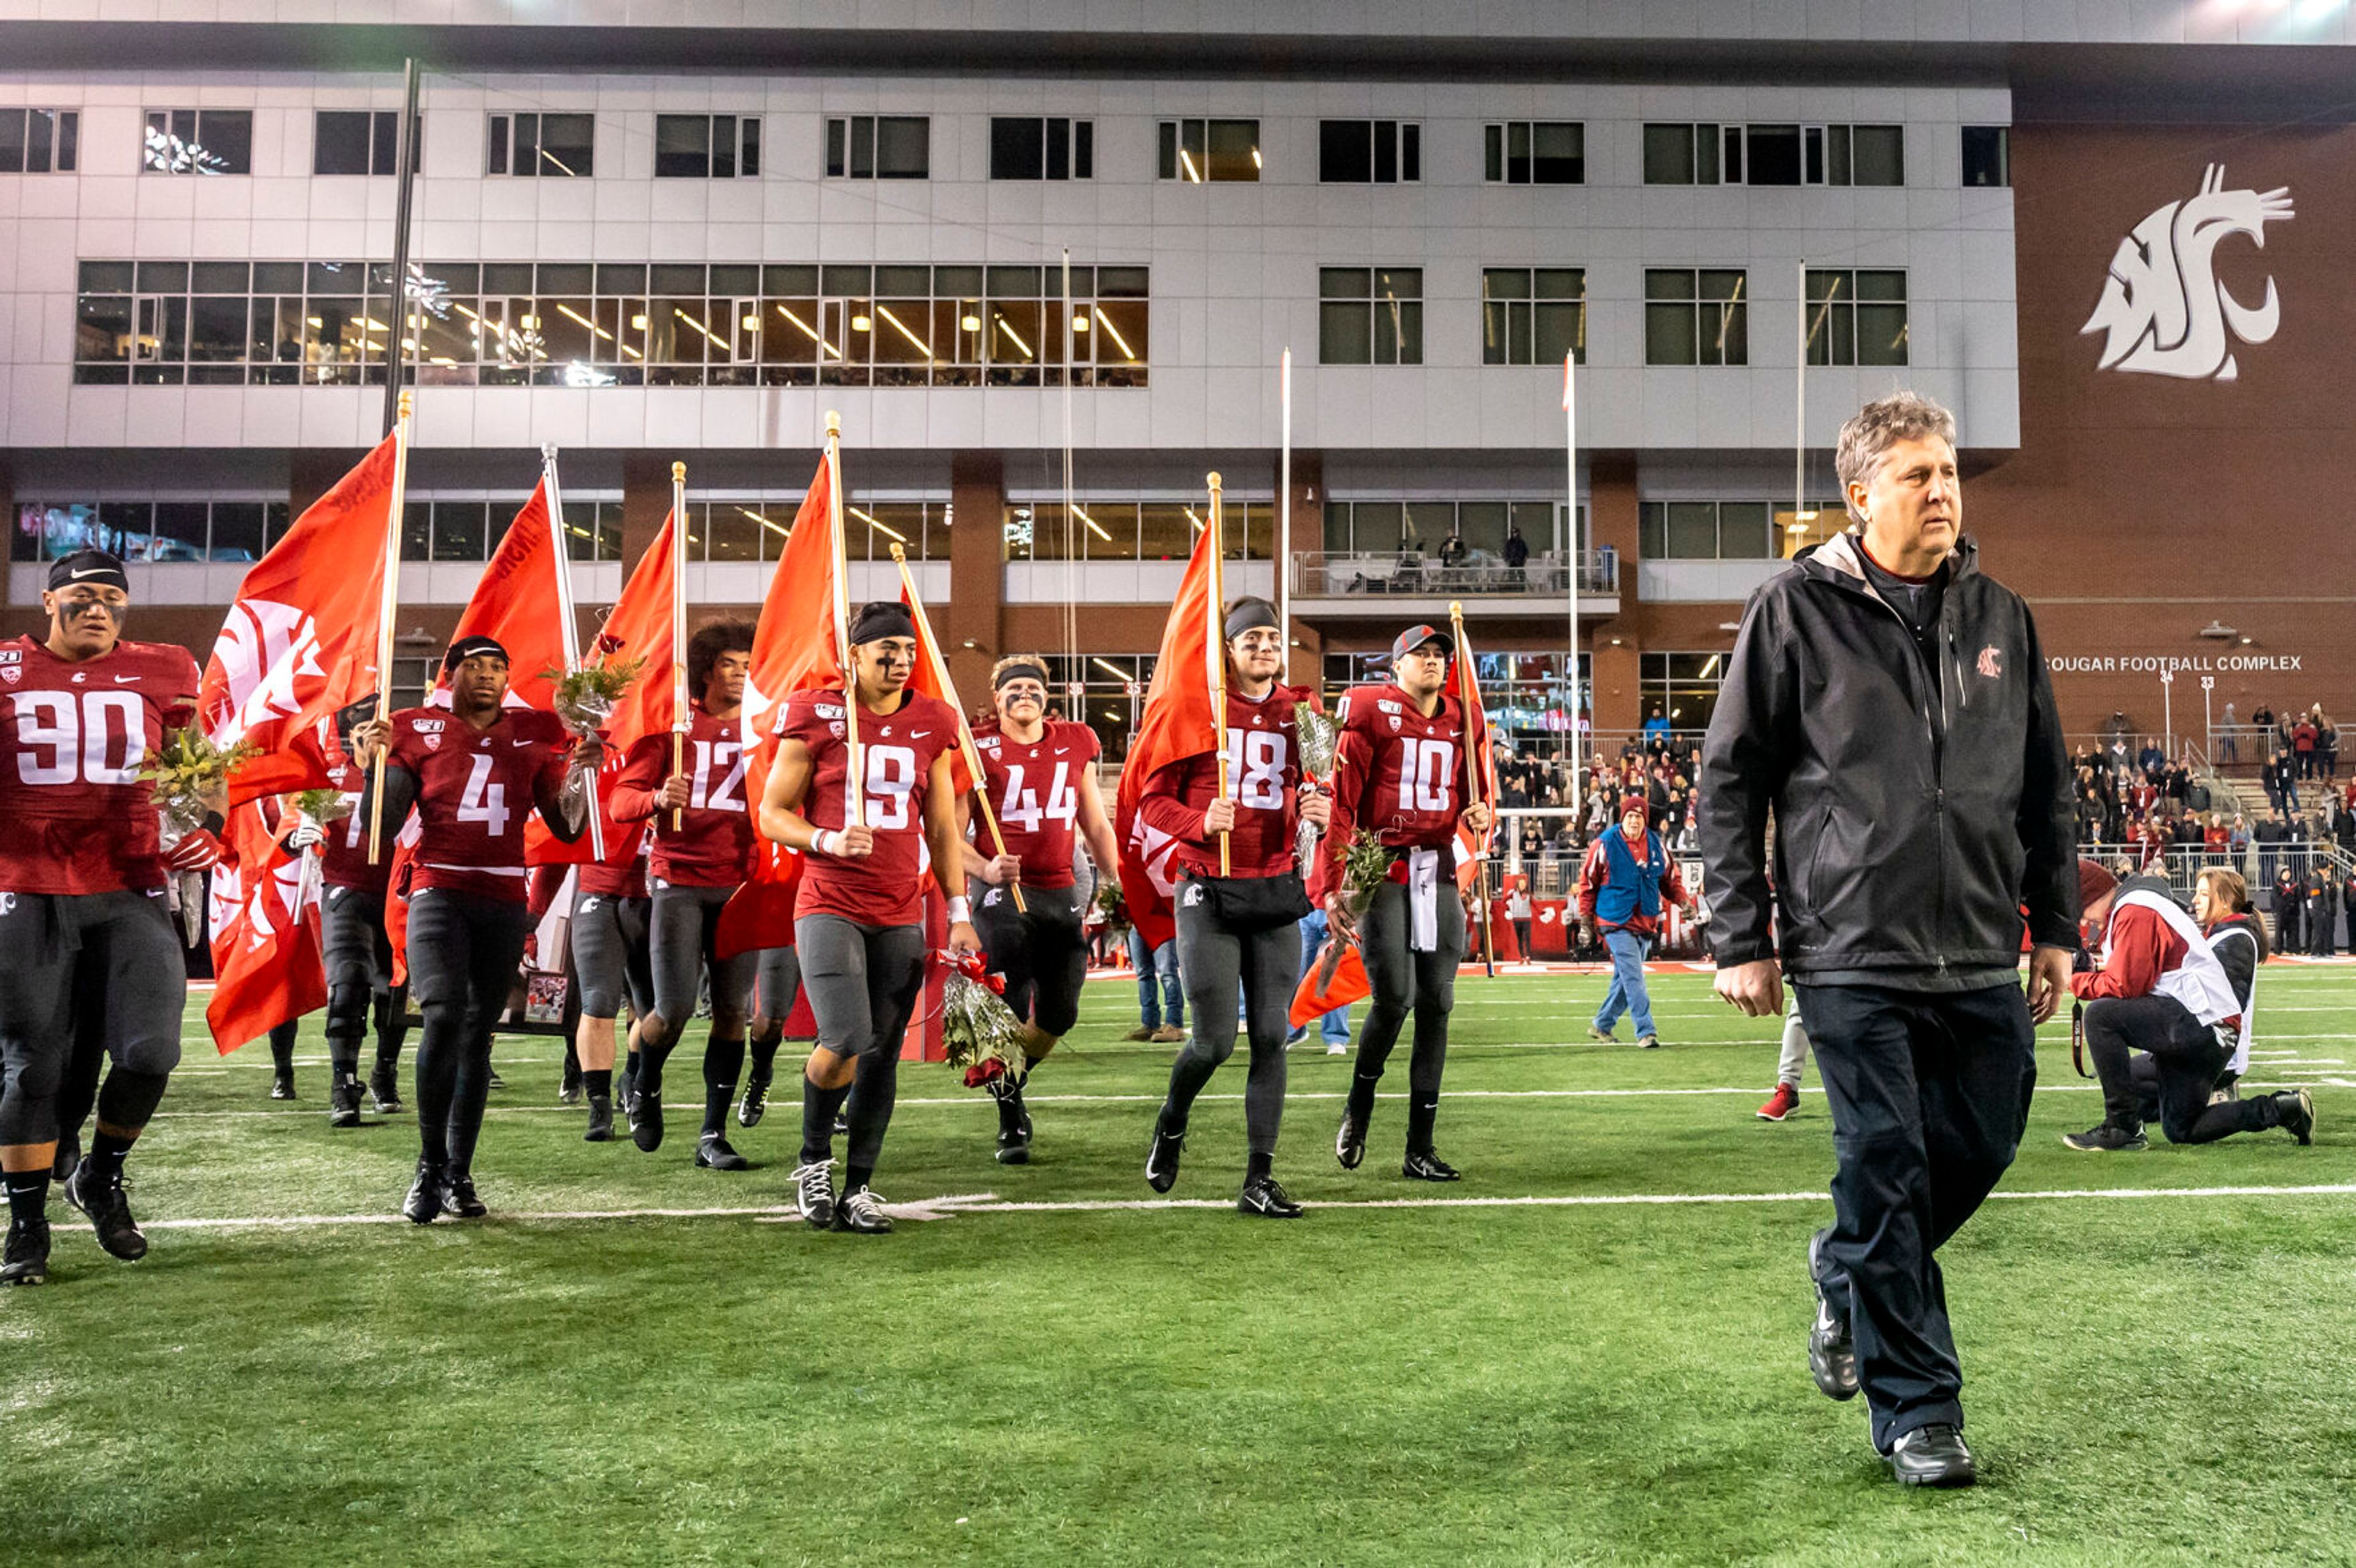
column 152, row 1055
column 349, row 1007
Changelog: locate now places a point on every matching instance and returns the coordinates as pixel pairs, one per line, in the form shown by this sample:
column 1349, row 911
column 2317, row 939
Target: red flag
column 265, row 934
column 793, row 650
column 300, row 638
column 517, row 604
column 1480, row 753
column 639, row 628
column 926, row 681
column 1348, row 985
column 1178, row 724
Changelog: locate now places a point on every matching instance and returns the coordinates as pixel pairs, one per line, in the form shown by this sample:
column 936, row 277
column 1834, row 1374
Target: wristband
column 960, row 911
column 824, row 842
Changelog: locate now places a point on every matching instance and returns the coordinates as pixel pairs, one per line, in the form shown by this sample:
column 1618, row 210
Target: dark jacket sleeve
column 399, row 795
column 2048, row 878
column 1745, row 758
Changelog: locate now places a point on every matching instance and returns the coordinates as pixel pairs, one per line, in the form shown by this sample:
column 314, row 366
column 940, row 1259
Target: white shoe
column 1337, row 1049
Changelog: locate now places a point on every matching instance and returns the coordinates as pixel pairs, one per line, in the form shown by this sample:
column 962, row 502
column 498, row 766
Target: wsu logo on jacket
column 2163, row 309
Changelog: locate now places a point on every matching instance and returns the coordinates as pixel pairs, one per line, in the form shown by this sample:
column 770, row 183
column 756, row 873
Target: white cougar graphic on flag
column 264, row 647
column 2163, row 309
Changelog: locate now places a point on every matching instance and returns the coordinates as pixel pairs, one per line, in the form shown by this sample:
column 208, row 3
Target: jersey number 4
column 483, row 801
column 1020, row 809
column 97, row 740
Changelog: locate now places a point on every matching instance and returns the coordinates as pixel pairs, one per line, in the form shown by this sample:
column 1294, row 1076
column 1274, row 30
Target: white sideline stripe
column 990, row 1203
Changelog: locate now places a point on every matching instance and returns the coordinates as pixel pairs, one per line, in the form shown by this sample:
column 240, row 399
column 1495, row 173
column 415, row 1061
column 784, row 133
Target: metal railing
column 1482, row 575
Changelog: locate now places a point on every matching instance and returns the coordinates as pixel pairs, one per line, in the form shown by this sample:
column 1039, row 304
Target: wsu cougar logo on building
column 2163, row 308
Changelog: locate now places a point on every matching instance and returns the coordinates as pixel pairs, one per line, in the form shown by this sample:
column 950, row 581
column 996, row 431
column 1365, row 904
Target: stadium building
column 1045, row 260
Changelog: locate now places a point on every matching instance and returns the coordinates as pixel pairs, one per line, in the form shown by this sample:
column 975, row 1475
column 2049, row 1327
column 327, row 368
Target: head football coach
column 1888, row 704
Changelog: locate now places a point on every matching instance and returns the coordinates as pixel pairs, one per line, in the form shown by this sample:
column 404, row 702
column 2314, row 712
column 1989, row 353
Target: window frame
column 194, row 138
column 60, row 140
column 1175, row 151
column 505, row 138
column 1405, row 314
column 1733, row 321
column 853, row 139
column 1497, row 155
column 1071, row 136
column 1395, row 145
column 741, row 137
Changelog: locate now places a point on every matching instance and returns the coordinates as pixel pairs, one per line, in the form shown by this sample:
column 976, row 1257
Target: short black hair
column 704, row 648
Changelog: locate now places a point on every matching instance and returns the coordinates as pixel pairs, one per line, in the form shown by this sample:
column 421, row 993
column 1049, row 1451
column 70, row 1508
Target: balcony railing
column 1323, row 574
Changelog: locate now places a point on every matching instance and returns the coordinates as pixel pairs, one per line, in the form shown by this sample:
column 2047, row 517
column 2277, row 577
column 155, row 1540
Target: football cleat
column 100, row 1196
column 1349, row 1142
column 282, row 1086
column 814, row 1193
column 712, row 1153
column 1933, row 1456
column 344, row 1101
column 1161, row 1156
column 1013, row 1124
column 861, row 1214
column 424, row 1204
column 2296, row 1111
column 756, row 1103
column 1781, row 1103
column 645, row 1120
column 25, row 1257
column 1263, row 1198
column 384, row 1088
column 2105, row 1138
column 1422, row 1165
column 492, row 1079
column 459, row 1197
column 601, row 1120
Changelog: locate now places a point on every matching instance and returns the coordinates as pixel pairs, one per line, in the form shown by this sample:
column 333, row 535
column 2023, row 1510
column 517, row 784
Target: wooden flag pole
column 948, row 695
column 570, row 628
column 1466, row 680
column 388, row 607
column 855, row 807
column 1213, row 636
column 681, row 716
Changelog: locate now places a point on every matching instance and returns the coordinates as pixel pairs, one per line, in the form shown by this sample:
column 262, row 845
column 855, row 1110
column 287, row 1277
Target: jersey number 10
column 1427, row 770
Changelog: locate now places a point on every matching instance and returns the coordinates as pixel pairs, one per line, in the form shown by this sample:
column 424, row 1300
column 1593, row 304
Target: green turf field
column 634, row 1362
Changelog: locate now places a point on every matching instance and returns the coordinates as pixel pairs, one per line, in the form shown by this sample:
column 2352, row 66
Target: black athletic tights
column 463, row 953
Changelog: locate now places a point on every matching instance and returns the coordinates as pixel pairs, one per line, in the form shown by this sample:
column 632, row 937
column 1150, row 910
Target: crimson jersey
column 1396, row 772
column 75, row 817
column 712, row 846
column 1035, row 792
column 343, row 849
column 475, row 788
column 623, row 872
column 1263, row 763
column 899, row 749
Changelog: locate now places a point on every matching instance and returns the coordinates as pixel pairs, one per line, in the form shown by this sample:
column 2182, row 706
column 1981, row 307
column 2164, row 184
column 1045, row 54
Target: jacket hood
column 1841, row 560
column 2154, row 885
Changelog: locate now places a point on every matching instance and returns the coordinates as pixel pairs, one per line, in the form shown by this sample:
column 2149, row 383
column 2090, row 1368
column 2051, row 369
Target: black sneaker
column 100, row 1196
column 2105, row 1138
column 344, row 1102
column 1264, row 1199
column 1832, row 1352
column 459, row 1197
column 384, row 1088
column 1161, row 1157
column 2296, row 1111
column 1933, row 1456
column 712, row 1153
column 842, row 1122
column 601, row 1120
column 814, row 1193
column 568, row 1089
column 1350, row 1143
column 861, row 1214
column 424, row 1203
column 646, row 1121
column 756, row 1103
column 282, row 1086
column 493, row 1079
column 25, row 1258
column 1422, row 1165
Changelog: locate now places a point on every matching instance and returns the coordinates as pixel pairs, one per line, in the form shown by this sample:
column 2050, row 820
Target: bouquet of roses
column 190, row 774
column 1366, row 865
column 980, row 1031
column 1112, row 908
column 1318, row 739
column 585, row 698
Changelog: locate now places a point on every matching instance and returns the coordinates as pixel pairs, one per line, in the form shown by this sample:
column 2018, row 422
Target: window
column 550, row 146
column 1706, row 530
column 1774, row 155
column 573, row 323
column 1987, row 154
column 1205, row 150
column 1541, row 152
column 878, row 147
column 1049, row 149
column 360, row 141
column 198, row 141
column 38, row 141
column 1857, row 317
column 1684, row 686
column 1522, row 691
column 149, row 531
column 1370, row 315
column 1695, row 316
column 707, row 146
column 1107, row 529
column 1369, row 152
column 1533, row 315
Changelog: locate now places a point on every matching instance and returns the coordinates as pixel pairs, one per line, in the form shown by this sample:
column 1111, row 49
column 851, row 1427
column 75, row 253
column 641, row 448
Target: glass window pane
column 1345, row 151
column 1986, row 155
column 1882, row 333
column 12, row 142
column 461, row 530
column 1482, row 524
column 217, row 330
column 903, row 147
column 1344, row 333
column 1652, row 532
column 1017, row 148
column 1669, row 333
column 1742, row 530
column 682, row 146
column 1559, row 330
column 1164, row 531
column 1493, row 153
column 1693, row 530
column 1376, row 526
column 1559, row 153
column 1234, row 148
column 339, row 142
column 1668, row 154
column 1534, row 520
column 1774, row 155
column 1880, row 155
column 567, row 144
column 228, row 135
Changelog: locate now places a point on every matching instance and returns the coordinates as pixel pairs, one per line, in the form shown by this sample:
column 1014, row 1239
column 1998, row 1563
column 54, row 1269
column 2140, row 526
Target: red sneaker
column 1781, row 1103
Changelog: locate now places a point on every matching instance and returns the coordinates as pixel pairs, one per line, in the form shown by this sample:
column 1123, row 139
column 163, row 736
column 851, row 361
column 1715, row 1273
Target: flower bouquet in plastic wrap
column 190, row 775
column 323, row 809
column 980, row 1032
column 1113, row 910
column 585, row 698
column 1318, row 738
column 1366, row 865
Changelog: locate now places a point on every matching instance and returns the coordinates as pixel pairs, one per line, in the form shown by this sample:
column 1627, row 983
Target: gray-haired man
column 1890, row 705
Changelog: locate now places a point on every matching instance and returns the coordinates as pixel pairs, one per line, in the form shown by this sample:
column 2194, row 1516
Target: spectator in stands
column 1517, row 910
column 2216, row 836
column 2118, row 753
column 2302, row 746
column 2327, row 747
column 1517, row 556
column 2176, row 784
column 1657, row 728
column 2262, row 718
column 2270, row 832
column 1564, row 847
column 2285, row 901
column 2322, row 912
column 2225, row 748
column 2237, row 841
column 1453, row 551
column 2281, row 779
column 2151, row 762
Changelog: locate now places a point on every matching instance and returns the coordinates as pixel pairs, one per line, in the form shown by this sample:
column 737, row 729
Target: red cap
column 1632, row 803
column 2093, row 883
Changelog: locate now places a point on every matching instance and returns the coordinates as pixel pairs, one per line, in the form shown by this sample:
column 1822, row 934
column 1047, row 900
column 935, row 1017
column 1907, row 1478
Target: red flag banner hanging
column 300, row 639
column 639, row 628
column 1178, row 724
column 516, row 603
column 267, row 957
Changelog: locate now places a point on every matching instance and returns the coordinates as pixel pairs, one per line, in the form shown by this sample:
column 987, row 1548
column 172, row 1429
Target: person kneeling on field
column 2165, row 989
column 1039, row 776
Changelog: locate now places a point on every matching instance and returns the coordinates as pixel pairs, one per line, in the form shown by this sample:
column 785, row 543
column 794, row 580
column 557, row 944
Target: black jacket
column 1917, row 810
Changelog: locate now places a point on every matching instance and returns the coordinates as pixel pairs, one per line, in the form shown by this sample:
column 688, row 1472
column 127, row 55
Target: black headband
column 882, row 619
column 469, row 647
column 93, row 567
column 1248, row 615
column 1021, row 670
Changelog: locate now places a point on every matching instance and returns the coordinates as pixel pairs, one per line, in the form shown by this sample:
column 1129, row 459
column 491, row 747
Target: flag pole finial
column 833, row 422
column 1214, row 478
column 548, row 451
column 408, row 403
column 679, row 472
column 1455, row 609
column 898, row 554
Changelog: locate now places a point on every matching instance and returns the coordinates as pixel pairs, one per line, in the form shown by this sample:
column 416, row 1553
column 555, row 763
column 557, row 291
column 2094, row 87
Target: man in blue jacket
column 1888, row 705
column 1627, row 874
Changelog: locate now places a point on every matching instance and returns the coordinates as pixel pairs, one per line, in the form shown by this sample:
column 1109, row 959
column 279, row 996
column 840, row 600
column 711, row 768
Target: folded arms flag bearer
column 1399, row 773
column 859, row 920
